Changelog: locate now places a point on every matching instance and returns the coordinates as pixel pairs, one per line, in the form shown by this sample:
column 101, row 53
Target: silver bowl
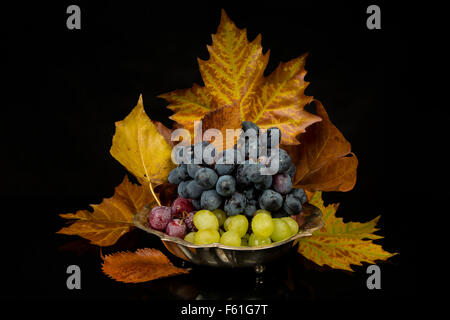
column 219, row 255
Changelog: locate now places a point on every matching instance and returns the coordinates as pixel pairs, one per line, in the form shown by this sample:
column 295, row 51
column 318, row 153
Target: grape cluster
column 236, row 185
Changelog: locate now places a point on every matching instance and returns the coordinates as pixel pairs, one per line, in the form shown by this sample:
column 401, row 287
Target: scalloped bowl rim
column 165, row 237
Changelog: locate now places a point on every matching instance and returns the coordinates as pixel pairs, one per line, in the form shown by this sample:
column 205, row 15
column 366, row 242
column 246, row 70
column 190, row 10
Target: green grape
column 281, row 230
column 262, row 211
column 226, row 224
column 221, row 216
column 190, row 237
column 254, row 241
column 206, row 236
column 205, row 219
column 239, row 223
column 262, row 224
column 231, row 238
column 221, row 231
column 293, row 225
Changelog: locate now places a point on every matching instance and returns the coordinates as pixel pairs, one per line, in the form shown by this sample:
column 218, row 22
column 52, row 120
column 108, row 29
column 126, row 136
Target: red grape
column 181, row 205
column 176, row 228
column 159, row 217
column 189, row 221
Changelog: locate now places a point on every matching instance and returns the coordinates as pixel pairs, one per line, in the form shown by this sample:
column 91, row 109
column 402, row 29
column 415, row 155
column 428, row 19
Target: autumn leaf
column 340, row 245
column 140, row 266
column 236, row 88
column 323, row 159
column 140, row 147
column 112, row 218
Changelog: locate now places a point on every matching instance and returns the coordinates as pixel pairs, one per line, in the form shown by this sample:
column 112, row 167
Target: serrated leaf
column 323, row 159
column 235, row 86
column 141, row 148
column 112, row 218
column 140, row 266
column 339, row 244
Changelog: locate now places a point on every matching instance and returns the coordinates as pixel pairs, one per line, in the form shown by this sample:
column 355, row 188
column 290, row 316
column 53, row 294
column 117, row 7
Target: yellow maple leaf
column 340, row 245
column 234, row 81
column 113, row 217
column 141, row 148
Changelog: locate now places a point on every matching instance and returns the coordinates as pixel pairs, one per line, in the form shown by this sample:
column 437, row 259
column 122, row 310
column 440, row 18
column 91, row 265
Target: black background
column 66, row 88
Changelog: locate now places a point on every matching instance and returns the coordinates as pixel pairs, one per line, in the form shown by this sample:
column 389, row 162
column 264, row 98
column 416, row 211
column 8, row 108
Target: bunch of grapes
column 232, row 199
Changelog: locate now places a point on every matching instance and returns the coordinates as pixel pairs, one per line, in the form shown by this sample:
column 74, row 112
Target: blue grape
column 182, row 189
column 246, row 125
column 193, row 190
column 284, row 161
column 270, row 200
column 280, row 213
column 206, row 178
column 291, row 171
column 292, row 205
column 210, row 200
column 241, row 179
column 178, row 174
column 250, row 193
column 196, row 203
column 222, row 166
column 266, row 138
column 300, row 195
column 266, row 184
column 282, row 183
column 250, row 208
column 235, row 205
column 226, row 186
column 252, row 172
column 192, row 169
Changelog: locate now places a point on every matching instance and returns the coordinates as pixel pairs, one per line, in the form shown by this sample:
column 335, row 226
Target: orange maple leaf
column 113, row 217
column 236, row 90
column 324, row 160
column 140, row 266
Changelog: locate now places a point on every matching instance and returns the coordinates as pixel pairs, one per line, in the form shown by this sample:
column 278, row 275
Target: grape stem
column 154, row 194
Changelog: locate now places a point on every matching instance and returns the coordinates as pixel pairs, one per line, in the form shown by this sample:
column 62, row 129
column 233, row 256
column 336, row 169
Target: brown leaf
column 323, row 159
column 140, row 266
column 112, row 218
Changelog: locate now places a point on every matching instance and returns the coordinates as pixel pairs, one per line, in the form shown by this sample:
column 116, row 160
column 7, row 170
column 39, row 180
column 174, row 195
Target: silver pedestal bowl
column 219, row 255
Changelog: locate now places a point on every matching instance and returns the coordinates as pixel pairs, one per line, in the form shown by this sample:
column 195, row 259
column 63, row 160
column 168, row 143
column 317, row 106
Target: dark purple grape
column 227, row 162
column 280, row 213
column 236, row 204
column 250, row 193
column 159, row 217
column 181, row 205
column 176, row 228
column 270, row 200
column 206, row 178
column 210, row 200
column 226, row 186
column 282, row 183
column 284, row 160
